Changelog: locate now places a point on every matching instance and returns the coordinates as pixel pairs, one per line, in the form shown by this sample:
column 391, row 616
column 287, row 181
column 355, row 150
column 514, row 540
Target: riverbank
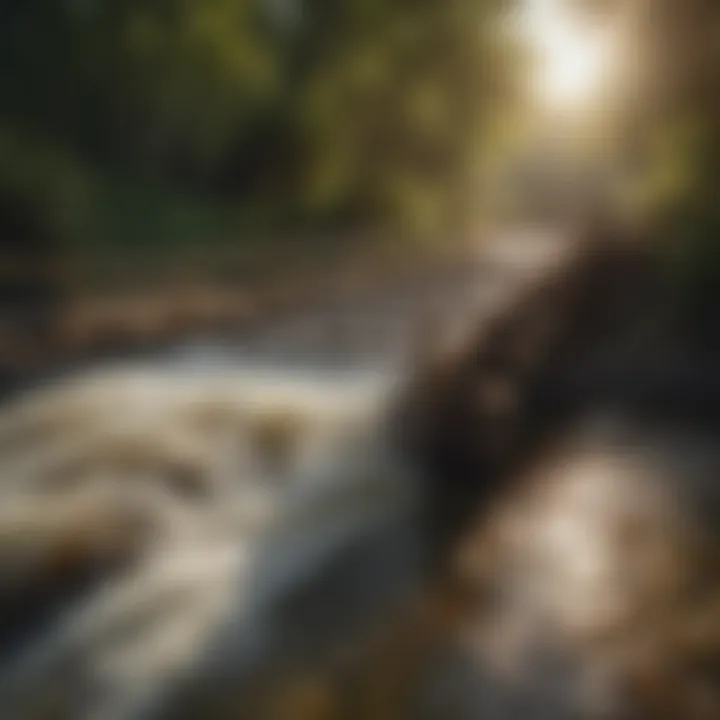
column 231, row 300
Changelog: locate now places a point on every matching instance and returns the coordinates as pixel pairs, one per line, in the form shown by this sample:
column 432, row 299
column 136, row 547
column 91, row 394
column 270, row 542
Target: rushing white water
column 253, row 513
column 230, row 487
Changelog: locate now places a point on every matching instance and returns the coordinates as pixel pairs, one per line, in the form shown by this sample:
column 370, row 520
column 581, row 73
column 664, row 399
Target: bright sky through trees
column 572, row 57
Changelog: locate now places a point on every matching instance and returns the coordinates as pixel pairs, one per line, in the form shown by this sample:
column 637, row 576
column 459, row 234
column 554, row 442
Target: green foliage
column 398, row 124
column 41, row 180
column 194, row 75
column 361, row 111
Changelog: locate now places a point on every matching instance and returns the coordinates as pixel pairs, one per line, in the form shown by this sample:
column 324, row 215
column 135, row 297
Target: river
column 217, row 511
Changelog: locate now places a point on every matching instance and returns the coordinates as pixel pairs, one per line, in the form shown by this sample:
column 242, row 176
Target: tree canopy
column 362, row 110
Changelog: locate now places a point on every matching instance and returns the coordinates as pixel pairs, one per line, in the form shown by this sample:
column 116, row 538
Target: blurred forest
column 146, row 129
column 153, row 124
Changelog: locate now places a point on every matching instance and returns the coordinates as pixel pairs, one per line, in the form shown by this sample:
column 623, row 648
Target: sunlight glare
column 571, row 58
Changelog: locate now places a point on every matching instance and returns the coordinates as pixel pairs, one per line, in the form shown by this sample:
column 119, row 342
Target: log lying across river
column 570, row 451
column 528, row 527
